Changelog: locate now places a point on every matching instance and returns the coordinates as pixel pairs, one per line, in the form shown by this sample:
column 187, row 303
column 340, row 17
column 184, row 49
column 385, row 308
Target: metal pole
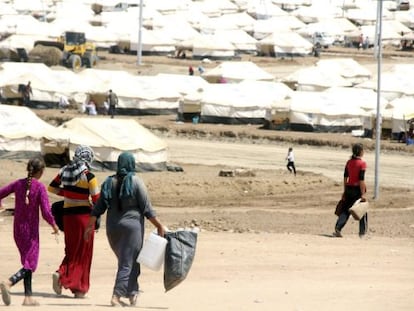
column 378, row 117
column 139, row 48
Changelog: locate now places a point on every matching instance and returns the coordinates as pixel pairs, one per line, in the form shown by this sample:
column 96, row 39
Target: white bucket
column 153, row 252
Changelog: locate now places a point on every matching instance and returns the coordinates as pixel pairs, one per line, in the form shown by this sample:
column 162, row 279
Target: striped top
column 77, row 195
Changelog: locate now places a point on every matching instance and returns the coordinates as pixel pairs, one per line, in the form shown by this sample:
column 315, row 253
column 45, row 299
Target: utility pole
column 139, row 48
column 378, row 52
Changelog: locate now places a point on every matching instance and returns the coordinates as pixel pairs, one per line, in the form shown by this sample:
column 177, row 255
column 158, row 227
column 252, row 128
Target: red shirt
column 355, row 171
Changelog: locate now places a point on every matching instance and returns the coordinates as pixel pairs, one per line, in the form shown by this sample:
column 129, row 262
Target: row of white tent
column 336, row 89
column 210, row 28
column 21, row 130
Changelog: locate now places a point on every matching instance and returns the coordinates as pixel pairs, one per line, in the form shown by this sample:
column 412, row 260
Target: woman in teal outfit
column 125, row 197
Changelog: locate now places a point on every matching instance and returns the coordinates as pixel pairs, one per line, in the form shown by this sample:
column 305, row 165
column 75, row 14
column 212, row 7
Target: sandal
column 5, row 293
column 57, row 287
column 133, row 299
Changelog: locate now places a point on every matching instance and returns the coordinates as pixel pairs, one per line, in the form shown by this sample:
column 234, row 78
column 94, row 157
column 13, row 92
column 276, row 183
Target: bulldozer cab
column 74, row 42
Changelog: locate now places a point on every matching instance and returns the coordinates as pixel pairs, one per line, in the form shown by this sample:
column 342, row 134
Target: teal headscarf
column 125, row 169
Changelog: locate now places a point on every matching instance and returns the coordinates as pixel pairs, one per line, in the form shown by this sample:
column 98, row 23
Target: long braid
column 28, row 181
column 34, row 166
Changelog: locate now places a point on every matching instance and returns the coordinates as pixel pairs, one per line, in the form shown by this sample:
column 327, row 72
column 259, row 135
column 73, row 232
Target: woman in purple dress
column 30, row 194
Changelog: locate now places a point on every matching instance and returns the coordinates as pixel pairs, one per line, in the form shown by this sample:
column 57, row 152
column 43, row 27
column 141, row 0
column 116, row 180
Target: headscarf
column 71, row 173
column 125, row 171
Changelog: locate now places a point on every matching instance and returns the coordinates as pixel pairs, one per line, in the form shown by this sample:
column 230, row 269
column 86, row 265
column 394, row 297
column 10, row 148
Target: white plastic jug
column 153, row 252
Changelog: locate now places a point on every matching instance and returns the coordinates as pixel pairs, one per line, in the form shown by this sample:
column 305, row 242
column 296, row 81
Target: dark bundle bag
column 57, row 212
column 179, row 256
column 340, row 207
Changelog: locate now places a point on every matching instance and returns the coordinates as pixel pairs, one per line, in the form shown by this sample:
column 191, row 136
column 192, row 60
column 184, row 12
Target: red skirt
column 75, row 268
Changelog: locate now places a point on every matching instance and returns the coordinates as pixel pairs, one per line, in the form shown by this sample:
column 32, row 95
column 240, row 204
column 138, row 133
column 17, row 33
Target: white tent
column 400, row 111
column 394, row 83
column 108, row 138
column 228, row 22
column 211, row 46
column 348, row 68
column 336, row 27
column 322, row 112
column 282, row 44
column 265, row 27
column 154, row 42
column 21, row 129
column 232, row 103
column 315, row 79
column 236, row 72
column 316, row 13
column 43, row 85
column 242, row 41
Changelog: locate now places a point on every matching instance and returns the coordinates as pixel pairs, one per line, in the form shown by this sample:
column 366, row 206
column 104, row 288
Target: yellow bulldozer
column 76, row 50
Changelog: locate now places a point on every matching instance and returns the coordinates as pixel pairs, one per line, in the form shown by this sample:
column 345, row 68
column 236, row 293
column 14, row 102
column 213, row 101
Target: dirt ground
column 265, row 238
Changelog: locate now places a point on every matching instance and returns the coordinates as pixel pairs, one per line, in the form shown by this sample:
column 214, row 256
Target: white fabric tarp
column 21, row 129
column 109, row 138
column 234, row 101
column 236, row 72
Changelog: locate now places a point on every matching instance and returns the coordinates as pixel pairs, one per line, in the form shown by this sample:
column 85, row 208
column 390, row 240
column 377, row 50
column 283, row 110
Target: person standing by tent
column 30, row 195
column 26, row 92
column 125, row 197
column 113, row 102
column 78, row 185
column 354, row 189
column 291, row 161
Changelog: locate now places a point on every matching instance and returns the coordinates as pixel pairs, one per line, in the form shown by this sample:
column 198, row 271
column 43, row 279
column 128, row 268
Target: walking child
column 30, row 195
column 291, row 161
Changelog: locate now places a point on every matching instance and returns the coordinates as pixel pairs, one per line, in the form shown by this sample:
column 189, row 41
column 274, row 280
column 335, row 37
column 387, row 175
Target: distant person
column 291, row 161
column 63, row 102
column 90, row 108
column 354, row 189
column 125, row 197
column 200, row 69
column 30, row 195
column 113, row 102
column 190, row 70
column 360, row 41
column 317, row 49
column 27, row 92
column 106, row 107
column 222, row 80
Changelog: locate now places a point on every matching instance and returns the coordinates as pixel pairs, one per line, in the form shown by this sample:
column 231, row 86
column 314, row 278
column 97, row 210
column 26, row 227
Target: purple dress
column 26, row 218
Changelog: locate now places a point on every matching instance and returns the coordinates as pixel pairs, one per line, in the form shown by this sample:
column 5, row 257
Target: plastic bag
column 179, row 256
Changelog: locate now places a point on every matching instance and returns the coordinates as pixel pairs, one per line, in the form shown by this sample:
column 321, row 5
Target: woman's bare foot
column 133, row 299
column 80, row 295
column 30, row 302
column 116, row 301
column 5, row 292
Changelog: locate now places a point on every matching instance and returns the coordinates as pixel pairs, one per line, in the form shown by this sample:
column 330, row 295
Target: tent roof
column 18, row 122
column 239, row 71
column 115, row 133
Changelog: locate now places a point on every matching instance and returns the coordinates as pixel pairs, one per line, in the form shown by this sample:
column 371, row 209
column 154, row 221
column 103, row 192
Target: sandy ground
column 265, row 239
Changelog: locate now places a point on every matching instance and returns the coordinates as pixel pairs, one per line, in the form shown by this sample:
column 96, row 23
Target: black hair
column 357, row 150
column 34, row 166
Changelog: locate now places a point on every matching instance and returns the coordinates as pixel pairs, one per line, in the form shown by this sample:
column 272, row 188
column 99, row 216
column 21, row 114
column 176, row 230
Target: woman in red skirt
column 79, row 187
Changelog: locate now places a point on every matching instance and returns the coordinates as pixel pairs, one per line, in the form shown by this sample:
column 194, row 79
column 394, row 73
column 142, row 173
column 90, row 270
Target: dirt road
column 394, row 169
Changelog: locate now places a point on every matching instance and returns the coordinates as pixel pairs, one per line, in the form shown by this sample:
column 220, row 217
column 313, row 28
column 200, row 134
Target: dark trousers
column 26, row 275
column 351, row 195
column 111, row 110
column 291, row 167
